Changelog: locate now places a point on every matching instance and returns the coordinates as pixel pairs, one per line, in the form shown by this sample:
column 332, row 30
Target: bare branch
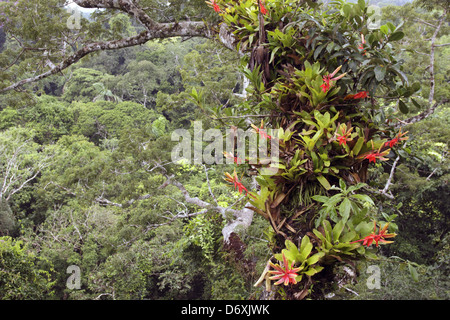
column 431, row 174
column 442, row 45
column 154, row 30
column 389, row 181
column 431, row 69
column 209, row 185
column 422, row 115
column 425, row 22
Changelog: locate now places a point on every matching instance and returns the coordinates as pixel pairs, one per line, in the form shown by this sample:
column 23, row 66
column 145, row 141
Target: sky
column 72, row 4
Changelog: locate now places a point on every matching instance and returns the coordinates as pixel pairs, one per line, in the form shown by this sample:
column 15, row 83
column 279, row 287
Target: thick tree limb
column 154, row 30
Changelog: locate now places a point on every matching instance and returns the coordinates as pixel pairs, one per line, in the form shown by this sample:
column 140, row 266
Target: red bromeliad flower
column 399, row 137
column 342, row 139
column 262, row 133
column 235, row 181
column 261, row 5
column 374, row 237
column 359, row 95
column 284, row 274
column 327, row 80
column 214, row 5
column 326, row 83
column 372, row 157
column 392, row 142
column 344, row 135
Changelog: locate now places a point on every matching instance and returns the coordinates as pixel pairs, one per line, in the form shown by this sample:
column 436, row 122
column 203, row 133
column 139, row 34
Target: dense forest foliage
column 87, row 177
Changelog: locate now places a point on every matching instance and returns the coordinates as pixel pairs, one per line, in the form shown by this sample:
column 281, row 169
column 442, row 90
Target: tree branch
column 431, row 69
column 422, row 115
column 389, row 181
column 441, row 45
column 154, row 31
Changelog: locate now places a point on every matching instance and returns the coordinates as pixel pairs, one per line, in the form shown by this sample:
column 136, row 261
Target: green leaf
column 305, row 249
column 344, row 209
column 347, row 237
column 346, row 10
column 313, row 271
column 318, row 50
column 324, row 182
column 314, row 258
column 413, row 272
column 418, row 106
column 403, row 107
column 415, row 86
column 358, row 146
column 391, row 26
column 337, row 230
column 362, row 4
column 384, row 29
column 363, row 198
column 342, row 184
column 396, row 36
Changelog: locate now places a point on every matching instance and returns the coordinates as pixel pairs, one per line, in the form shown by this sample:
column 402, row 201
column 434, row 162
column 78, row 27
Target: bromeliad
column 284, row 274
column 327, row 80
column 399, row 137
column 263, row 9
column 262, row 133
column 376, row 154
column 377, row 238
column 343, row 135
column 214, row 5
column 235, row 181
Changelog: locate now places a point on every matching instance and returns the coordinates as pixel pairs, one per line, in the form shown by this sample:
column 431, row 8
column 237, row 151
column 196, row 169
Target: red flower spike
column 342, row 139
column 377, row 238
column 359, row 95
column 344, row 135
column 262, row 133
column 361, row 46
column 329, row 78
column 214, row 5
column 261, row 5
column 285, row 274
column 392, row 142
column 372, row 157
column 235, row 181
column 326, row 83
column 399, row 137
